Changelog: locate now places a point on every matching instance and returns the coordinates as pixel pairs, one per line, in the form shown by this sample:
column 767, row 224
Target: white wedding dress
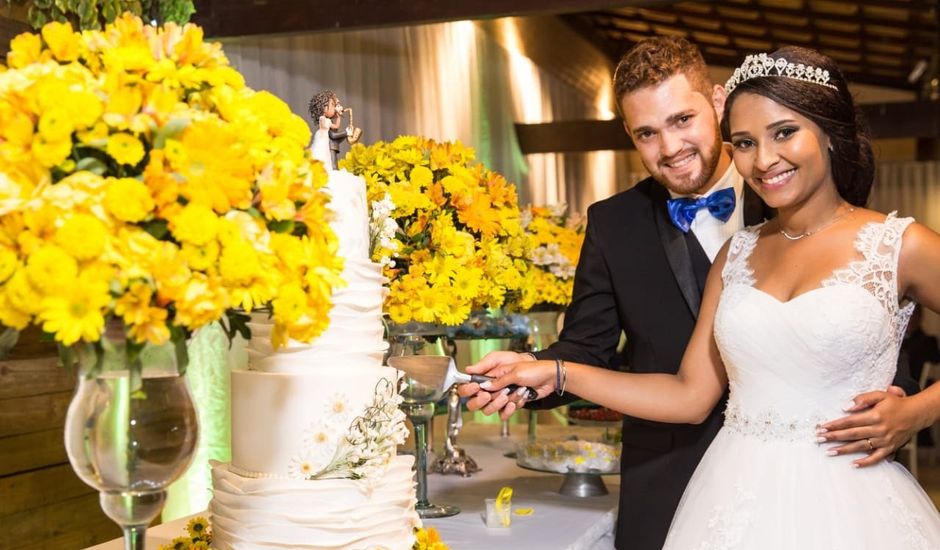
column 764, row 483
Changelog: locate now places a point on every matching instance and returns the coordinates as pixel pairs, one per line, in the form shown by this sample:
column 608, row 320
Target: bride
column 800, row 314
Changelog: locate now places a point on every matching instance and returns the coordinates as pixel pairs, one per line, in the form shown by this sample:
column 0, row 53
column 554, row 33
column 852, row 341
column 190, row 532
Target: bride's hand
column 879, row 423
column 539, row 375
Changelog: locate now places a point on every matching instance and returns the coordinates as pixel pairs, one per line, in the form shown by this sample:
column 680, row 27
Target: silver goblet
column 418, row 406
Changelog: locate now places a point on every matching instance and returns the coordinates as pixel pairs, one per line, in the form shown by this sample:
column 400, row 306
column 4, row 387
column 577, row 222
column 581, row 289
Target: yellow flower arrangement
column 427, row 538
column 198, row 536
column 554, row 246
column 141, row 180
column 460, row 244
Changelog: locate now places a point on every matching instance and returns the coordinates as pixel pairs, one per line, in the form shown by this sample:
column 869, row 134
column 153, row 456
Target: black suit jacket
column 640, row 274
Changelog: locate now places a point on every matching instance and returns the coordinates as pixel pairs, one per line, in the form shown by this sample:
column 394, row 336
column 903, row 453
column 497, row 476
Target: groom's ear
column 718, row 100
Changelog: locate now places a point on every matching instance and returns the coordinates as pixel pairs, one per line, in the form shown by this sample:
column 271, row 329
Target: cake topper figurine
column 327, row 110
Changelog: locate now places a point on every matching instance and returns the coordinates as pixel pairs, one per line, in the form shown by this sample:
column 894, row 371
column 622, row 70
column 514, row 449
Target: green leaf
column 42, row 4
column 36, row 17
column 93, row 165
column 238, row 324
column 281, row 226
column 157, row 228
column 178, row 11
column 171, row 130
column 88, row 11
column 178, row 336
column 110, row 11
column 68, row 358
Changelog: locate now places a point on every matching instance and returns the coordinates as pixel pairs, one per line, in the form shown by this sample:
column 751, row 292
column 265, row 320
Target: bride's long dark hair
column 833, row 110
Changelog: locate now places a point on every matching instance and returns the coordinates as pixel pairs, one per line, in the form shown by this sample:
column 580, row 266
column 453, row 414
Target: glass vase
column 130, row 429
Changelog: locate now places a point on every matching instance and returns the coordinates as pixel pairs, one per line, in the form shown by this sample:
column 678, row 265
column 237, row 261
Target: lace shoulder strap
column 737, row 271
column 877, row 272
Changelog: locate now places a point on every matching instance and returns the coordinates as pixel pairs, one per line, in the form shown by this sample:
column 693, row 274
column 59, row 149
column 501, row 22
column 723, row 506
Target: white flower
column 558, row 210
column 337, row 408
column 526, row 218
column 383, row 227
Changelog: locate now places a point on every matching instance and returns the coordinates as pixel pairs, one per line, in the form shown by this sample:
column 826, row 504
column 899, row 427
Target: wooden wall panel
column 43, row 504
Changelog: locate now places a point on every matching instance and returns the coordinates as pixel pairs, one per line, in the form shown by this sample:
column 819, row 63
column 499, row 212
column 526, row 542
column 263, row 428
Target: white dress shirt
column 711, row 232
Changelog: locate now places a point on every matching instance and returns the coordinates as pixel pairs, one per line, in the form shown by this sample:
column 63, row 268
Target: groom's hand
column 492, row 365
column 879, row 423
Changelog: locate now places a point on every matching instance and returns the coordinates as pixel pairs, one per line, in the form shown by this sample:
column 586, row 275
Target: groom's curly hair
column 653, row 60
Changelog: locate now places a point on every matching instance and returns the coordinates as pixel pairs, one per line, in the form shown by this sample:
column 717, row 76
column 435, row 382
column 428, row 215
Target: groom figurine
column 643, row 266
column 327, row 104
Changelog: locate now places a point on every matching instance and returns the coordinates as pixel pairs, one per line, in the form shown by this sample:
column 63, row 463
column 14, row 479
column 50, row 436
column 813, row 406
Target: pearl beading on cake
column 762, row 65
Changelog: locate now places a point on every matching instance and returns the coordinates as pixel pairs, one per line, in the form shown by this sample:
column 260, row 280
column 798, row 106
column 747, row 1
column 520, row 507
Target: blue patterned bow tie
column 719, row 204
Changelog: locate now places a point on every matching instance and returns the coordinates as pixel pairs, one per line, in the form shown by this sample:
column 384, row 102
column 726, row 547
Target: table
column 558, row 522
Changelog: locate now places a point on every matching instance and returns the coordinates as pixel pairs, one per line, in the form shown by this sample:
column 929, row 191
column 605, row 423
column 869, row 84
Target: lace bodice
column 793, row 364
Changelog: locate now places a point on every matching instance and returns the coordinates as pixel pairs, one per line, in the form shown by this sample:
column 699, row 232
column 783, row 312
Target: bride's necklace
column 818, row 229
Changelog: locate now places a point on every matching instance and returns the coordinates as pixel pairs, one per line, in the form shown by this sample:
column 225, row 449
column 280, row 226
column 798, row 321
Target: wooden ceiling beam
column 867, row 45
column 222, row 18
column 916, row 119
column 913, row 23
column 921, row 36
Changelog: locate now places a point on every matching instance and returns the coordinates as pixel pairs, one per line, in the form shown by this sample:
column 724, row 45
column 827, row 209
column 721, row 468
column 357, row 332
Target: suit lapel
column 676, row 249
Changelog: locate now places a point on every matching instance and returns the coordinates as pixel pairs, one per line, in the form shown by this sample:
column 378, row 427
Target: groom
column 643, row 266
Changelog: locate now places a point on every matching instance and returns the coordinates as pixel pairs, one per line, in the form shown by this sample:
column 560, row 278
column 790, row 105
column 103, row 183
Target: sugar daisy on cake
column 315, row 426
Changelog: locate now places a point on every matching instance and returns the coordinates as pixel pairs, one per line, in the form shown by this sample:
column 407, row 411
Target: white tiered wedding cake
column 315, row 426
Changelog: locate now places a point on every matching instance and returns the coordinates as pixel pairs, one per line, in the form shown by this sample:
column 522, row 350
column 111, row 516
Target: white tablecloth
column 558, row 522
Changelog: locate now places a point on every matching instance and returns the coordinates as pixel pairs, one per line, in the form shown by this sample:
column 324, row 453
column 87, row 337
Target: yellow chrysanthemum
column 56, row 125
column 146, row 323
column 25, row 48
column 196, row 224
column 428, row 538
column 125, row 148
column 202, row 301
column 239, row 263
column 83, row 236
column 51, row 153
column 8, row 263
column 216, row 167
column 290, row 304
column 21, row 294
column 76, row 312
column 132, row 306
column 203, row 257
column 128, row 200
column 49, row 269
column 63, row 42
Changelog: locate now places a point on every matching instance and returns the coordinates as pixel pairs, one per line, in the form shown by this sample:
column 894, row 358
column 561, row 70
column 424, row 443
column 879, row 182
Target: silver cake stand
column 575, row 484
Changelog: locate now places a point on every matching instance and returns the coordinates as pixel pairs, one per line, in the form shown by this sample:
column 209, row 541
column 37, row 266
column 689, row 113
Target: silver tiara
column 761, row 65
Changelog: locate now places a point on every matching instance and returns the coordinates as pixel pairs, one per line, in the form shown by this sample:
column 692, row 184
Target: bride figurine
column 327, row 110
